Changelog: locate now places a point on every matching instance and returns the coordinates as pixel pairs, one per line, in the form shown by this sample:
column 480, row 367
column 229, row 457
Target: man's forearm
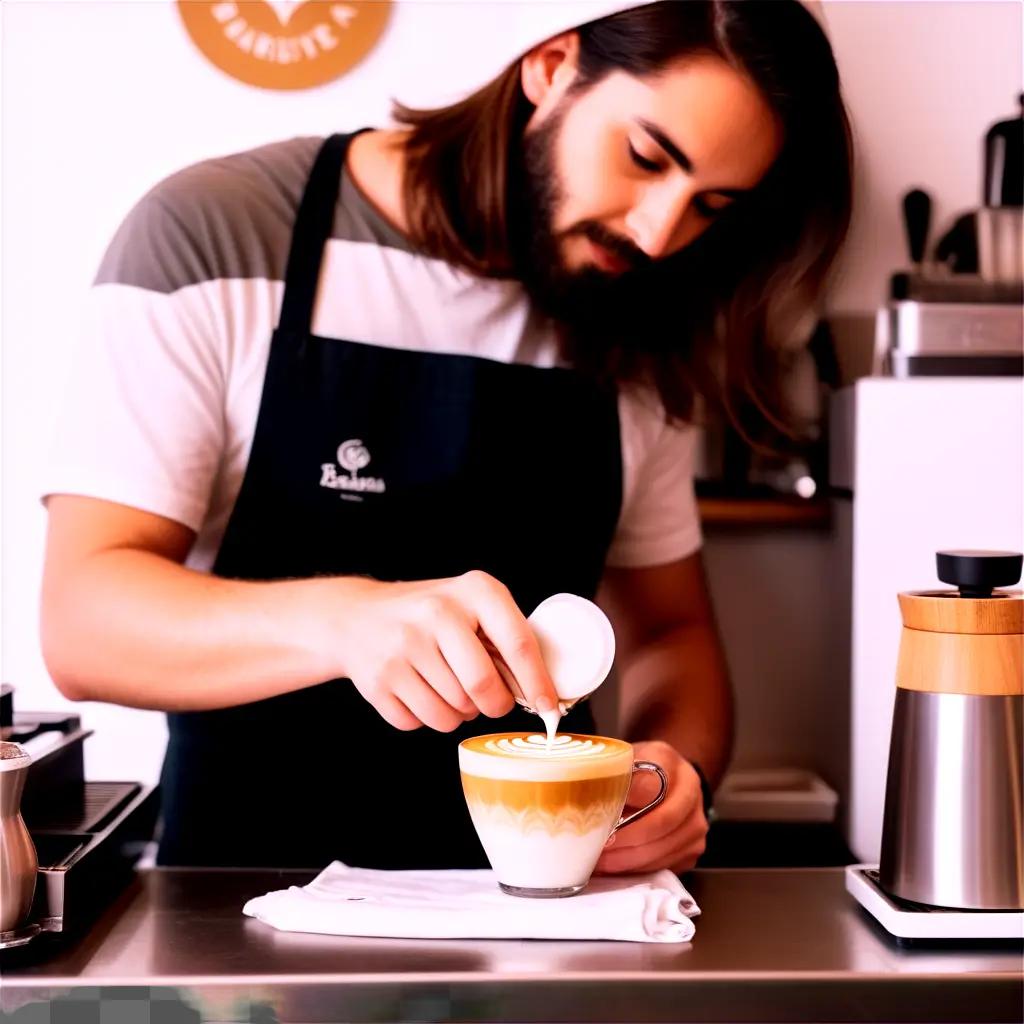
column 132, row 628
column 676, row 689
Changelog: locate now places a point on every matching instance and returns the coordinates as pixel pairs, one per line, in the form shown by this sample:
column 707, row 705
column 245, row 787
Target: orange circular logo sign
column 285, row 44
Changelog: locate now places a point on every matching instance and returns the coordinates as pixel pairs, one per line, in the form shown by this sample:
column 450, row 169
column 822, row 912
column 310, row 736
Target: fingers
column 405, row 698
column 423, row 701
column 394, row 712
column 674, row 834
column 421, row 658
column 476, row 675
column 673, row 840
column 433, row 666
column 507, row 629
column 445, row 650
column 682, row 804
column 645, row 787
column 678, row 851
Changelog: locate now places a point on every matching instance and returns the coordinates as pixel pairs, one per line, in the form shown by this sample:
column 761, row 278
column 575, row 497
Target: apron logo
column 352, row 457
column 284, row 44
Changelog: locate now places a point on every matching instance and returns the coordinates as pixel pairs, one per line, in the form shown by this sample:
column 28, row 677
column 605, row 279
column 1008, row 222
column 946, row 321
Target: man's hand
column 419, row 652
column 673, row 834
column 124, row 621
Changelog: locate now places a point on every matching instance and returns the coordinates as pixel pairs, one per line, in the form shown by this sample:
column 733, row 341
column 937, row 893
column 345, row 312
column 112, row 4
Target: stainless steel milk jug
column 18, row 863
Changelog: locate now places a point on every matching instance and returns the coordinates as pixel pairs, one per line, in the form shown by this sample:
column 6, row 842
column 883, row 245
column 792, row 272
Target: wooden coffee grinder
column 953, row 832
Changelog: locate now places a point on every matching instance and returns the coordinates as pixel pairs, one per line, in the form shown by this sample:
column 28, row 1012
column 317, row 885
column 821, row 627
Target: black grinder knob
column 6, row 709
column 917, row 218
column 978, row 573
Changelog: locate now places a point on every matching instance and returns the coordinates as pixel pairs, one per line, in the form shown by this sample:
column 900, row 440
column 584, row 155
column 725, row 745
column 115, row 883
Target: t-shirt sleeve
column 659, row 522
column 142, row 421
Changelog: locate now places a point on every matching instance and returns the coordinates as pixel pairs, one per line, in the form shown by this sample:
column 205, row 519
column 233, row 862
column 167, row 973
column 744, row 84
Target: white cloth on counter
column 469, row 905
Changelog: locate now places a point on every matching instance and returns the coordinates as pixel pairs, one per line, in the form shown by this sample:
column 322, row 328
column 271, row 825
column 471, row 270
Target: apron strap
column 313, row 224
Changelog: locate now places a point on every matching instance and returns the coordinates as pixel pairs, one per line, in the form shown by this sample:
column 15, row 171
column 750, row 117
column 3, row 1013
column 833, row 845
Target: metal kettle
column 18, row 862
column 953, row 832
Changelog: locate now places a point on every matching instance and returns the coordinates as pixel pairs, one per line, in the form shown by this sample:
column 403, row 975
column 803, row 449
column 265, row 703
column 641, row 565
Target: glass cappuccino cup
column 543, row 816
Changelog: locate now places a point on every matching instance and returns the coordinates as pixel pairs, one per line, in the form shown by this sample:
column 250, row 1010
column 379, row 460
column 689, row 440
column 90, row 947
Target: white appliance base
column 904, row 922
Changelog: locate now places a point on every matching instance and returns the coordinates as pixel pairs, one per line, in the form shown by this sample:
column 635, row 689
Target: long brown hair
column 714, row 319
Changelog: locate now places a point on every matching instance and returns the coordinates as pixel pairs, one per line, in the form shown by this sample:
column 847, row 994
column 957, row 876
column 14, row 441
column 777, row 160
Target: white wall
column 102, row 99
column 924, row 81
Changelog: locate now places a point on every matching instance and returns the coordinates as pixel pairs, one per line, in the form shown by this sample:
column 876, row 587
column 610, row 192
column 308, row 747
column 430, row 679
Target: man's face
column 632, row 170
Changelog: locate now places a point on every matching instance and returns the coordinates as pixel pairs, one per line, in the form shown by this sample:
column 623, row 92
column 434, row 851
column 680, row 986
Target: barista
column 349, row 409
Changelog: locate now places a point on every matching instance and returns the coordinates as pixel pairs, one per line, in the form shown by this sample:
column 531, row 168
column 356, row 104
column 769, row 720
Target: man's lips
column 606, row 259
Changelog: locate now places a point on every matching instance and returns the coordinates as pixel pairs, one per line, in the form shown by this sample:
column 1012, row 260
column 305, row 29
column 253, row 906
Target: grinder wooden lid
column 945, row 611
column 968, row 641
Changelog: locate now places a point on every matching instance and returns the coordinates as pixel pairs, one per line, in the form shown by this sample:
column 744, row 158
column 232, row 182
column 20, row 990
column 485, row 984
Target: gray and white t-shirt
column 169, row 370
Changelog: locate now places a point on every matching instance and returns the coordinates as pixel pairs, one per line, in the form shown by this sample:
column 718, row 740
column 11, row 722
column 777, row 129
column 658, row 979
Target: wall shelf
column 775, row 511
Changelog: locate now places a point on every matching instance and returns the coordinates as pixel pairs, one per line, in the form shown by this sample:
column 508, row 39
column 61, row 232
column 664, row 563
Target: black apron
column 399, row 465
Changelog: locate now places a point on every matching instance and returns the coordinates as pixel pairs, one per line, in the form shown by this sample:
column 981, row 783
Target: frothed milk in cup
column 544, row 815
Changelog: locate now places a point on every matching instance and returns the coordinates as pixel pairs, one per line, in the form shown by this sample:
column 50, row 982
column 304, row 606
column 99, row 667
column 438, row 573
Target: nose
column 656, row 222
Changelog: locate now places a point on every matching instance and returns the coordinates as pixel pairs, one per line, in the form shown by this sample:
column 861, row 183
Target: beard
column 587, row 301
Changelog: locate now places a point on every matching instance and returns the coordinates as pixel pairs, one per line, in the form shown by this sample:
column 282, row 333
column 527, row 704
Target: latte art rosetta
column 525, row 757
column 563, row 747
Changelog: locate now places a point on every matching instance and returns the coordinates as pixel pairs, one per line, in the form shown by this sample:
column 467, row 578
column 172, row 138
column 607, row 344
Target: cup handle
column 645, row 766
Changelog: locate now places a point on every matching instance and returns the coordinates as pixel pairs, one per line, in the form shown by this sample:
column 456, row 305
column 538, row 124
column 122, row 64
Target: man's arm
column 676, row 706
column 673, row 677
column 124, row 621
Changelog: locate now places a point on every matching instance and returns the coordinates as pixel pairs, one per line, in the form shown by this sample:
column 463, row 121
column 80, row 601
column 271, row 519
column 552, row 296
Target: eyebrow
column 680, row 158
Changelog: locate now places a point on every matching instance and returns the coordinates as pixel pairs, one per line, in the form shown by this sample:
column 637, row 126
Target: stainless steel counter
column 771, row 945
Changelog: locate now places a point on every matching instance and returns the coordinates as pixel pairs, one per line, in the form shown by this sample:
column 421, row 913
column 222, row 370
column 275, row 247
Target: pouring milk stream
column 577, row 644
